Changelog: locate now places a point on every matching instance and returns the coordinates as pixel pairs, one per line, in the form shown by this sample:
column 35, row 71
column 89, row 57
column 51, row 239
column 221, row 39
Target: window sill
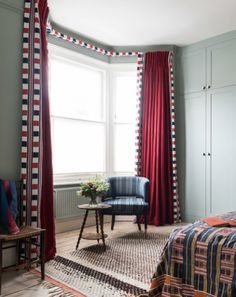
column 71, row 180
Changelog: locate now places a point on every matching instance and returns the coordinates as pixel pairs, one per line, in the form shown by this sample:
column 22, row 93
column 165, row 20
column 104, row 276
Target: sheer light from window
column 93, row 108
column 124, row 130
column 77, row 109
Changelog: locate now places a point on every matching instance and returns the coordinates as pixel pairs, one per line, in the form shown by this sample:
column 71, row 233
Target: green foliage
column 93, row 188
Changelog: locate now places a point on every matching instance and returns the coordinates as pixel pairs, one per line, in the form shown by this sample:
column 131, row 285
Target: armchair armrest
column 144, row 188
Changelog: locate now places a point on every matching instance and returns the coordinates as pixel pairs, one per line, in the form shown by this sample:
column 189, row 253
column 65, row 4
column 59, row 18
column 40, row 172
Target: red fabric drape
column 156, row 138
column 46, row 206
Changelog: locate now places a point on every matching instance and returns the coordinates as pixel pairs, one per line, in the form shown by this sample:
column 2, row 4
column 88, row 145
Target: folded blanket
column 218, row 221
column 232, row 222
column 8, row 208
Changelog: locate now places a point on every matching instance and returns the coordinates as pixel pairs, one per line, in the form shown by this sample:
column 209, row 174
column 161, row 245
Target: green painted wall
column 10, row 94
column 10, row 87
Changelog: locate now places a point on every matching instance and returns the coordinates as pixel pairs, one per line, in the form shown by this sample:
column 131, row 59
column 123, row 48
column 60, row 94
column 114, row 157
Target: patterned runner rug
column 126, row 266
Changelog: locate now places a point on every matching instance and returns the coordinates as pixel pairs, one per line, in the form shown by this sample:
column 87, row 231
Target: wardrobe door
column 192, row 71
column 195, row 173
column 222, row 149
column 221, row 64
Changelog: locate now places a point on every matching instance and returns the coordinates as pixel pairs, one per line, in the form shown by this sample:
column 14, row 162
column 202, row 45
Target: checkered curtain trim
column 92, row 47
column 138, row 129
column 176, row 205
column 138, row 132
column 31, row 115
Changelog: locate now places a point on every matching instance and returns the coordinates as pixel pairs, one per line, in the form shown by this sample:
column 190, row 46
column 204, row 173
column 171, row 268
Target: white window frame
column 117, row 70
column 110, row 71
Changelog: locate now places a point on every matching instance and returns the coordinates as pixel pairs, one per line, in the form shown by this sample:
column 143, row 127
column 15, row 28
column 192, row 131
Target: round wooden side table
column 97, row 208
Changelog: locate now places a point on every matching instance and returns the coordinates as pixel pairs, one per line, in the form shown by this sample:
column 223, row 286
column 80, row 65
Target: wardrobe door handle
column 208, row 86
column 204, row 154
column 204, row 88
column 208, row 154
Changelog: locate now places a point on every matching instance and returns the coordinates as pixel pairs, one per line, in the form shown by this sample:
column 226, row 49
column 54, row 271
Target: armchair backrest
column 128, row 186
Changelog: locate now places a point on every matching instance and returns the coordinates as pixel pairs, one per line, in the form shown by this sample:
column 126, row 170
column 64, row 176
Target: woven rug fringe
column 54, row 291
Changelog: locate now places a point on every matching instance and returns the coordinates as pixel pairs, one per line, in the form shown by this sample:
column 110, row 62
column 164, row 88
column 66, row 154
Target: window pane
column 124, row 148
column 125, row 98
column 78, row 146
column 76, row 91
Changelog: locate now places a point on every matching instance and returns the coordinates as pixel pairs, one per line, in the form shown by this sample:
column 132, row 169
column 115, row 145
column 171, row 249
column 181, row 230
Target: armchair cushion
column 126, row 205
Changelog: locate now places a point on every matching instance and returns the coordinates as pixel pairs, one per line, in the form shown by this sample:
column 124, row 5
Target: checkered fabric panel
column 92, row 47
column 175, row 195
column 31, row 160
column 31, row 115
column 138, row 120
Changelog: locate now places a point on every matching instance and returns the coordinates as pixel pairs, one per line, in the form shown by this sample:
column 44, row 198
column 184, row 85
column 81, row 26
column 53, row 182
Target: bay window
column 93, row 116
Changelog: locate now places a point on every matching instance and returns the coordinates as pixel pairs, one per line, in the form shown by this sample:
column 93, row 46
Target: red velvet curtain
column 46, row 206
column 156, row 137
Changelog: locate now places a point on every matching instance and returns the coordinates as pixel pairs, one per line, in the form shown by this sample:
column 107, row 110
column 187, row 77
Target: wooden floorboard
column 23, row 284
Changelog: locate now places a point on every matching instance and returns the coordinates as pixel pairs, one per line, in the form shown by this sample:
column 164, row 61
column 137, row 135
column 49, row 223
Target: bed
column 198, row 260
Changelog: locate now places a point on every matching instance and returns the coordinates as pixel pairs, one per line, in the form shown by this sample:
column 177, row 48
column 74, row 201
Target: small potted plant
column 93, row 189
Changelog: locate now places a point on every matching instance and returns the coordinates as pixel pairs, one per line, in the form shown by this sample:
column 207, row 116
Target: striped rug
column 126, row 266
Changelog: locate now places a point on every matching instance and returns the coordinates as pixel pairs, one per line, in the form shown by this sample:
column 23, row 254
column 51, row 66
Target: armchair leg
column 138, row 222
column 42, row 254
column 113, row 222
column 0, row 267
column 145, row 221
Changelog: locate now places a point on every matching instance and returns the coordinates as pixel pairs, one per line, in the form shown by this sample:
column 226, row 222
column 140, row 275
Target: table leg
column 82, row 228
column 101, row 227
column 97, row 227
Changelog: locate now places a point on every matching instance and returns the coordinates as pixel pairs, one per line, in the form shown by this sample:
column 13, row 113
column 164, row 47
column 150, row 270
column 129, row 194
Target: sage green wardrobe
column 206, row 126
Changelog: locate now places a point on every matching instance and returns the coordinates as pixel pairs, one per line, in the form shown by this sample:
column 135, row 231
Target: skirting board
column 75, row 223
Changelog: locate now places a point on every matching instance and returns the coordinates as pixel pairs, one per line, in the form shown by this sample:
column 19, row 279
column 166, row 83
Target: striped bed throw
column 198, row 261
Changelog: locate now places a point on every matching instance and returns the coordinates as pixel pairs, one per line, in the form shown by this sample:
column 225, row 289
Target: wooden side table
column 99, row 221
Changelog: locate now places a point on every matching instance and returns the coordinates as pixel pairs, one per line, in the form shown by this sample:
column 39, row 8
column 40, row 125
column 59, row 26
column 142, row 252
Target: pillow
column 7, row 201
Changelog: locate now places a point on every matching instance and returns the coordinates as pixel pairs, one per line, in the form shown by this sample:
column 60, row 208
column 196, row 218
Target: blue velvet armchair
column 128, row 195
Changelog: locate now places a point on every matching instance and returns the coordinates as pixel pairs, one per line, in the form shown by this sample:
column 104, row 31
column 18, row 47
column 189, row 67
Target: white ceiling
column 145, row 22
